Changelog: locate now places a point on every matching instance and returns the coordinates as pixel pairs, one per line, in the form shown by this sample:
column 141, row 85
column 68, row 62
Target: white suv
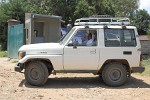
column 111, row 51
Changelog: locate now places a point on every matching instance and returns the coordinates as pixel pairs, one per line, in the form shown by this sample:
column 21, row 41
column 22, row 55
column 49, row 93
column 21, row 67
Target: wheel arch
column 122, row 61
column 47, row 62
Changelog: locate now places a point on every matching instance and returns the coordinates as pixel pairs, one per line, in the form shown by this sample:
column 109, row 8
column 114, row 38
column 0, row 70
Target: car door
column 80, row 56
column 120, row 44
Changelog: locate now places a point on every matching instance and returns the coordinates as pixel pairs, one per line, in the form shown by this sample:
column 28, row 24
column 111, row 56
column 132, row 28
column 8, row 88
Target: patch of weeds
column 3, row 53
column 14, row 61
column 146, row 64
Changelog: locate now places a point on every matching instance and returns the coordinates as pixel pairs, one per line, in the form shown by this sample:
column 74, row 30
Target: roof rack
column 101, row 16
column 102, row 20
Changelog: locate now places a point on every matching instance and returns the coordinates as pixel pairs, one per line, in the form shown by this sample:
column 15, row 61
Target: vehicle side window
column 112, row 37
column 128, row 38
column 119, row 37
column 85, row 37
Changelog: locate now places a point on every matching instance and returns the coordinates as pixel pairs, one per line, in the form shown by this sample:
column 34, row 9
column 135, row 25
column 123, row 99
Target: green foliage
column 64, row 8
column 103, row 7
column 71, row 10
column 146, row 64
column 125, row 8
column 38, row 6
column 14, row 9
column 148, row 32
column 3, row 53
column 142, row 21
column 83, row 9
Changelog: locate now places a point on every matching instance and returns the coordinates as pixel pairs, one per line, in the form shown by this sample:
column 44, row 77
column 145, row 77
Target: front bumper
column 139, row 69
column 18, row 67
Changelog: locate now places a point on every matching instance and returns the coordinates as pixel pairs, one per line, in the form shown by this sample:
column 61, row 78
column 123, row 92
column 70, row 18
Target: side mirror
column 70, row 43
column 74, row 44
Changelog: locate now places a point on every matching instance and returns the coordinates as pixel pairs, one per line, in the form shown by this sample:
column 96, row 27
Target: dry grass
column 3, row 53
column 146, row 64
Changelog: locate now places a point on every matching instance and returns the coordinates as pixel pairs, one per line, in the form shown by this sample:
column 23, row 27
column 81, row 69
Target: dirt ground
column 69, row 87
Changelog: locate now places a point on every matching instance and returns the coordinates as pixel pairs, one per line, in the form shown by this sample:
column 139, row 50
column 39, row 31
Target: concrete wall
column 145, row 47
column 52, row 31
column 49, row 29
column 28, row 27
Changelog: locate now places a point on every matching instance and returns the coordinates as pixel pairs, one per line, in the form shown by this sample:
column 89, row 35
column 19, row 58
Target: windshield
column 65, row 38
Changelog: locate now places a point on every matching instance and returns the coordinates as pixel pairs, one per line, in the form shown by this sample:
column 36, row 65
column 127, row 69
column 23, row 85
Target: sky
column 145, row 4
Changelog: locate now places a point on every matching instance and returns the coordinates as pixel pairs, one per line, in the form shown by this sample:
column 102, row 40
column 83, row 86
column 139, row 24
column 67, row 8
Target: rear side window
column 119, row 38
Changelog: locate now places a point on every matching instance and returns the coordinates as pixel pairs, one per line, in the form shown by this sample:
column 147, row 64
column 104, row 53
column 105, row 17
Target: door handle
column 127, row 52
column 93, row 52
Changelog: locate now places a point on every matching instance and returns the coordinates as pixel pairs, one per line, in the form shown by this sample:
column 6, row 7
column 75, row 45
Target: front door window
column 85, row 37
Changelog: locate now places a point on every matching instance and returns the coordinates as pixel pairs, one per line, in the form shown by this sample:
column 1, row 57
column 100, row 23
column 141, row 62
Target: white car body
column 64, row 57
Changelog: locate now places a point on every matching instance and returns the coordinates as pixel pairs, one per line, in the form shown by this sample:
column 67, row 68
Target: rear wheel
column 36, row 73
column 114, row 74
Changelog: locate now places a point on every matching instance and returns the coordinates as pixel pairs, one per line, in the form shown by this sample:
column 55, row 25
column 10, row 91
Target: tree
column 142, row 21
column 72, row 10
column 125, row 8
column 64, row 8
column 39, row 6
column 14, row 9
column 102, row 7
column 83, row 9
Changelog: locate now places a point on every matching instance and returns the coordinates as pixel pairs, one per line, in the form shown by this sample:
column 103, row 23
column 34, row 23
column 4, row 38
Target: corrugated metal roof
column 46, row 16
column 13, row 20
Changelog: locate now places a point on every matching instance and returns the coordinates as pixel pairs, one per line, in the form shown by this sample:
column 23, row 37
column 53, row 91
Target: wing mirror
column 74, row 44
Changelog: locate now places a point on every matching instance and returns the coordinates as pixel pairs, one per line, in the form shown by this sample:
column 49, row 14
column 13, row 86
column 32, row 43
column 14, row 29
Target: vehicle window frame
column 96, row 29
column 121, row 36
column 67, row 36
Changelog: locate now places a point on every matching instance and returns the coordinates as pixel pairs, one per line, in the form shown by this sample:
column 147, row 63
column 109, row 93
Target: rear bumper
column 18, row 67
column 139, row 69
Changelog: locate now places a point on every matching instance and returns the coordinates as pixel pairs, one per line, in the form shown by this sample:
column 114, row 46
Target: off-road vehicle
column 105, row 46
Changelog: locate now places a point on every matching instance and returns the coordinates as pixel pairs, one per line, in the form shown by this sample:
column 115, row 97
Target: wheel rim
column 115, row 75
column 35, row 74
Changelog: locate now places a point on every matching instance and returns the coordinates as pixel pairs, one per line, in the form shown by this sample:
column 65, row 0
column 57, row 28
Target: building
column 42, row 28
column 38, row 29
column 145, row 44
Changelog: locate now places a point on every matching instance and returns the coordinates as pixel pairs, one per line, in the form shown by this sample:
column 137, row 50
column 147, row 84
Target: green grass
column 3, row 54
column 146, row 64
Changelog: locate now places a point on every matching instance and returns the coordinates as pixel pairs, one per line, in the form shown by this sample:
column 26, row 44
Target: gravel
column 69, row 87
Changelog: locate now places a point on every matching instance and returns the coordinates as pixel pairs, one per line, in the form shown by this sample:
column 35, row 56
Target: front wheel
column 36, row 73
column 114, row 74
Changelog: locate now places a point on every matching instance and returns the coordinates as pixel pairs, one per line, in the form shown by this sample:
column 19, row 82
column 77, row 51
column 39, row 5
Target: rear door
column 120, row 44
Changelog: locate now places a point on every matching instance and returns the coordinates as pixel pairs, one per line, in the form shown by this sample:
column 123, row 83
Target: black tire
column 36, row 73
column 114, row 74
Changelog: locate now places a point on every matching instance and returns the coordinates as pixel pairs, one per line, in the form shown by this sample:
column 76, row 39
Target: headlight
column 21, row 54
